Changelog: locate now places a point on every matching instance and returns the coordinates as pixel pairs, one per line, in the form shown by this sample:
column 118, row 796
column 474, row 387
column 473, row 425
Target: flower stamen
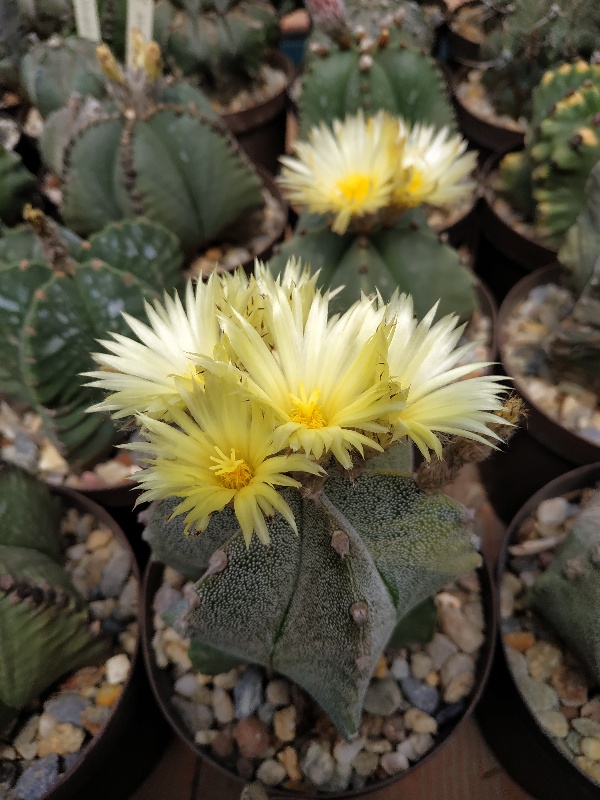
column 355, row 187
column 232, row 472
column 306, row 410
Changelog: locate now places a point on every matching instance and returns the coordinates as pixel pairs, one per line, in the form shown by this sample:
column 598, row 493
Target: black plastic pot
column 120, row 756
column 261, row 129
column 543, row 449
column 162, row 688
column 506, row 255
column 527, row 753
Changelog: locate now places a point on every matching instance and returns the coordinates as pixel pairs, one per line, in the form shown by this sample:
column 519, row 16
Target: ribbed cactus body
column 171, row 161
column 390, row 77
column 567, row 593
column 52, row 70
column 535, row 35
column 221, row 44
column 42, row 617
column 408, row 256
column 320, row 606
column 546, row 181
column 17, row 186
column 54, row 313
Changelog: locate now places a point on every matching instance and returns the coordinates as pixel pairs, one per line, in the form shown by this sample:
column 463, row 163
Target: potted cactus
column 69, row 674
column 540, row 710
column 17, row 186
column 60, row 294
column 281, row 485
column 156, row 148
column 360, row 189
column 549, row 342
column 534, row 36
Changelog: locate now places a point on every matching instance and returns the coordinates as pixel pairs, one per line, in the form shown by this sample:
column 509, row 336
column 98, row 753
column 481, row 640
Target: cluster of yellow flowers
column 368, row 171
column 251, row 379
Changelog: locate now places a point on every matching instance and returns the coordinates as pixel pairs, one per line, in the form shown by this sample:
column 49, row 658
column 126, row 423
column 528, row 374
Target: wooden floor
column 463, row 769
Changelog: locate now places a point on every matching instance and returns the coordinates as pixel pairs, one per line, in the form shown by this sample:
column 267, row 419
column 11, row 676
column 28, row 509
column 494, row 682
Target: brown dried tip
column 108, row 64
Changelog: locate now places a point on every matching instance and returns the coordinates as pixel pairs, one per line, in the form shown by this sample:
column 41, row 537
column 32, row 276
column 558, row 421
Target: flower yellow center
column 306, row 410
column 232, row 472
column 354, row 187
column 416, row 182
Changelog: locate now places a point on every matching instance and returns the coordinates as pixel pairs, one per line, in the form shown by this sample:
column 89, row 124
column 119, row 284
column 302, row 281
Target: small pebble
column 317, row 766
column 38, row 778
column 392, row 763
column 289, row 758
column 542, row 660
column 590, row 747
column 248, row 692
column 252, row 737
column 63, row 738
column 421, row 695
column 440, row 648
column 271, row 772
column 420, row 722
column 383, row 697
column 278, row 692
column 554, row 723
column 365, row 763
column 117, row 668
column 222, row 705
column 459, row 629
column 284, row 723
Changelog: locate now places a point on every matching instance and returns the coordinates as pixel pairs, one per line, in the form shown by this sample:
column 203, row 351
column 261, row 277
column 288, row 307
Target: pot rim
column 548, row 431
column 159, row 682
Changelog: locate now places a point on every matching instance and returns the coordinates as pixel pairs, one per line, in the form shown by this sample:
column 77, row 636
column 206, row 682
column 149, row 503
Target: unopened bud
column 108, row 64
column 153, row 61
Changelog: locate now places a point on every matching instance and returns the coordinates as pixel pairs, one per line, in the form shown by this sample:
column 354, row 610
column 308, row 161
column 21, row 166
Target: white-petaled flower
column 435, row 169
column 346, row 173
column 325, row 380
column 423, row 358
column 221, row 450
column 141, row 375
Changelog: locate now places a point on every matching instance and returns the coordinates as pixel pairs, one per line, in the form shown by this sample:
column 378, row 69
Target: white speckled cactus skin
column 319, row 607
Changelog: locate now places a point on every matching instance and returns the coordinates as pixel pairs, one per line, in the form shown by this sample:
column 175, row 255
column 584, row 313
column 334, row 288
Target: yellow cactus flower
column 325, row 380
column 141, row 375
column 222, row 450
column 435, row 169
column 424, row 359
column 346, row 172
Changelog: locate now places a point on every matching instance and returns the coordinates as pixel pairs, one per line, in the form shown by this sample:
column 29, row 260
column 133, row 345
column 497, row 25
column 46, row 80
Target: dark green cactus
column 574, row 348
column 17, row 186
column 535, row 35
column 361, row 72
column 154, row 149
column 408, row 256
column 43, row 619
column 567, row 593
column 326, row 601
column 54, row 69
column 60, row 296
column 220, row 43
column 546, row 181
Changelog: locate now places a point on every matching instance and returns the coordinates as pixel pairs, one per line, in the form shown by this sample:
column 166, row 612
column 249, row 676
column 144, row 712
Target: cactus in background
column 359, row 189
column 567, row 593
column 546, row 181
column 59, row 296
column 290, row 428
column 17, row 186
column 51, row 71
column 574, row 349
column 42, row 617
column 535, row 35
column 154, row 149
column 369, row 59
column 220, row 43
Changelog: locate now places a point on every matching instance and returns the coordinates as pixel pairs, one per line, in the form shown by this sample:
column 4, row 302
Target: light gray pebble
column 456, row 665
column 340, row 780
column 400, row 668
column 166, row 598
column 115, row 574
column 196, row 716
column 586, row 727
column 266, row 712
column 222, row 705
column 38, row 778
column 420, row 665
column 554, row 723
column 383, row 697
column 395, row 762
column 186, row 685
column 317, row 765
column 365, row 763
column 67, row 707
column 345, row 752
column 271, row 772
column 553, row 511
column 421, row 695
column 572, row 740
column 538, row 694
column 440, row 648
column 248, row 692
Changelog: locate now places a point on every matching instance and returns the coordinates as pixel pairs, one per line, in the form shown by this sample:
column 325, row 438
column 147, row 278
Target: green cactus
column 408, row 256
column 567, row 593
column 154, row 149
column 58, row 297
column 326, row 601
column 17, row 186
column 220, row 43
column 574, row 347
column 535, row 35
column 53, row 70
column 43, row 620
column 352, row 69
column 546, row 181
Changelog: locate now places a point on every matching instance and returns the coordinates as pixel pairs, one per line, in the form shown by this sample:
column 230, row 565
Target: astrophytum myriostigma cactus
column 44, row 622
column 567, row 593
column 321, row 605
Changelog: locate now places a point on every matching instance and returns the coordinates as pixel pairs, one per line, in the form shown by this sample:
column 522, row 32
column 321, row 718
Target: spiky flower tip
column 347, row 173
column 223, row 450
column 440, row 397
column 436, row 170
